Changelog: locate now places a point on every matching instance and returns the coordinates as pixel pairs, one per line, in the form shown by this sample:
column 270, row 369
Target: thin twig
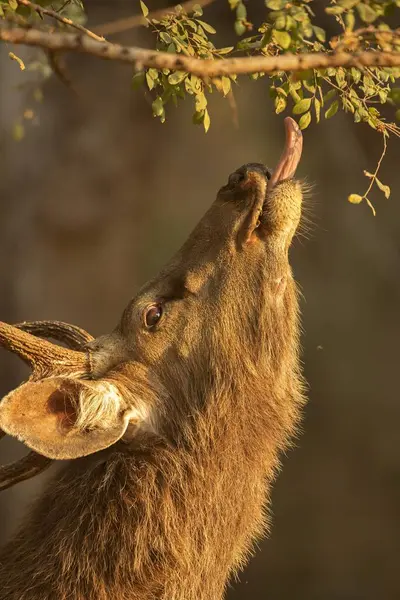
column 375, row 175
column 141, row 57
column 136, row 20
column 55, row 15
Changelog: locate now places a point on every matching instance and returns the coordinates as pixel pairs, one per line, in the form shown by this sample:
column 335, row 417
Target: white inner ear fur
column 101, row 404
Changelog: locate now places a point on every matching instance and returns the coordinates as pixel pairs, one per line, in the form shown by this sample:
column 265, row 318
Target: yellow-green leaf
column 226, row 85
column 206, row 26
column 305, row 120
column 240, row 28
column 320, row 33
column 384, row 188
column 176, row 77
column 280, row 104
column 275, row 4
column 144, row 8
column 302, row 106
column 158, row 107
column 355, row 198
column 366, row 12
column 282, row 38
column 332, row 110
column 201, row 102
column 206, row 121
column 138, row 80
column 225, row 50
column 149, row 81
column 317, row 108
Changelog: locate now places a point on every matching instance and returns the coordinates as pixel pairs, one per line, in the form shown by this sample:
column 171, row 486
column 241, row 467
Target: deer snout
column 105, row 352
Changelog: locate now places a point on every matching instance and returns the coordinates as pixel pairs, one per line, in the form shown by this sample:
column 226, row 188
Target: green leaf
column 201, row 102
column 225, row 50
column 207, row 27
column 366, row 12
column 275, row 4
column 395, row 95
column 206, row 121
column 349, row 20
column 241, row 12
column 356, row 74
column 302, row 106
column 355, row 198
column 144, row 8
column 282, row 38
column 176, row 77
column 138, row 80
column 305, row 120
column 347, row 4
column 240, row 28
column 320, row 33
column 317, row 108
column 165, row 37
column 158, row 107
column 197, row 10
column 397, row 115
column 150, row 81
column 198, row 117
column 385, row 188
column 332, row 110
column 329, row 95
column 226, row 85
column 280, row 104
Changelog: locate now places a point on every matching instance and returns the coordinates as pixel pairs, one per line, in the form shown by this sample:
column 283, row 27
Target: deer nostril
column 237, row 177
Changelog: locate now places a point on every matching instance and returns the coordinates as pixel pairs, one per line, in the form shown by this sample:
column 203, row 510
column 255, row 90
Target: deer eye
column 152, row 315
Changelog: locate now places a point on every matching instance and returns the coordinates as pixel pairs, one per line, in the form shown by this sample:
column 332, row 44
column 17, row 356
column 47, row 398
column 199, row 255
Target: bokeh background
column 98, row 196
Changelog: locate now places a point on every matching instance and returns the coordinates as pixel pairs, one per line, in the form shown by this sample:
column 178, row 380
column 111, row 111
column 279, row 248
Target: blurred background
column 96, row 198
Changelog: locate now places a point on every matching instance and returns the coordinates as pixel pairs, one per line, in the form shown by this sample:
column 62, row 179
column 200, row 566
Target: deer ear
column 65, row 418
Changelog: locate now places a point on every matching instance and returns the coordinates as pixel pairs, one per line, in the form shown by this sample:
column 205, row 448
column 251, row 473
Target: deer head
column 215, row 317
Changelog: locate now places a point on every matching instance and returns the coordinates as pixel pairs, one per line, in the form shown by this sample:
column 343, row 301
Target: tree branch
column 141, row 57
column 54, row 15
column 136, row 20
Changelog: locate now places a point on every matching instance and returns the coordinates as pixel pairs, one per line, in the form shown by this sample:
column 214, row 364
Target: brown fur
column 172, row 511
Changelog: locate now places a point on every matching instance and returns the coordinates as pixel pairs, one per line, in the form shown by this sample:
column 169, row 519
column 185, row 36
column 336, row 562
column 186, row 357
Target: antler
column 32, row 464
column 71, row 335
column 45, row 359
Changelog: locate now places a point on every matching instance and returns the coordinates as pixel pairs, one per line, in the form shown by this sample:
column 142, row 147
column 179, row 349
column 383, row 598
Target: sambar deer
column 175, row 421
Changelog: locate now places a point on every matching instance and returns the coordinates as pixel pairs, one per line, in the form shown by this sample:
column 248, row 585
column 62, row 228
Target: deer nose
column 241, row 174
column 105, row 352
column 259, row 168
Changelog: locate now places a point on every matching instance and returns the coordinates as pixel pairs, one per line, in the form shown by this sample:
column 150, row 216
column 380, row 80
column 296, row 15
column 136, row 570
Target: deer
column 171, row 427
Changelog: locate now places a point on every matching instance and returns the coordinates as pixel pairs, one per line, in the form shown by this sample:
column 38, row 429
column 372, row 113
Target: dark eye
column 152, row 315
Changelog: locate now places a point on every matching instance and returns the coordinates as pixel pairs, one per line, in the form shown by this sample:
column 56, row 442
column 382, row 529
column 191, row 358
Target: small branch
column 375, row 175
column 141, row 57
column 55, row 15
column 137, row 20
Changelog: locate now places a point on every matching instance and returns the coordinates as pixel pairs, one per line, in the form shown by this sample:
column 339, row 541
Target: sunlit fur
column 173, row 513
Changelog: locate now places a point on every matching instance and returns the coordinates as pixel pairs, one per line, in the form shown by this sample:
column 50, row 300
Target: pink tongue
column 287, row 165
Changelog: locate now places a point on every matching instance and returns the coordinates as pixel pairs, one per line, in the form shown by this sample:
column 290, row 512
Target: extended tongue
column 287, row 165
